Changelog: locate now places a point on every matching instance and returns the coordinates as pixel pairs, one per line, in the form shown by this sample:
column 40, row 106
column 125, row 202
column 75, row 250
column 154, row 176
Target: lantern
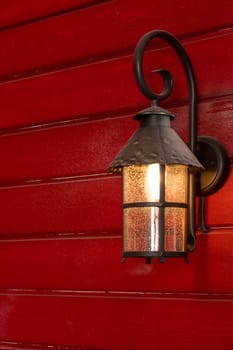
column 159, row 171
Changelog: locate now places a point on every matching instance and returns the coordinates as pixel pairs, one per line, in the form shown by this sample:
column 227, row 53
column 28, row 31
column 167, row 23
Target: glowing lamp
column 159, row 171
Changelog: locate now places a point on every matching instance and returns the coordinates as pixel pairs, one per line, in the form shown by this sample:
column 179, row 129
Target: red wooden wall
column 67, row 95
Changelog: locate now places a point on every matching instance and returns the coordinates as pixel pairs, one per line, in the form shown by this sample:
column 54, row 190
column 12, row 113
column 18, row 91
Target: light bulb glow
column 152, row 185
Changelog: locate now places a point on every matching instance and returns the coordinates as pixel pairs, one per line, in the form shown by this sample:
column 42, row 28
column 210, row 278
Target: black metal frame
column 167, row 77
column 213, row 156
column 155, row 204
column 168, row 84
column 209, row 151
column 161, row 254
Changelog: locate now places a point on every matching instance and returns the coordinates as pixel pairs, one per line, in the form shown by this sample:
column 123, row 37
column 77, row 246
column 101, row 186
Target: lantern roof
column 155, row 142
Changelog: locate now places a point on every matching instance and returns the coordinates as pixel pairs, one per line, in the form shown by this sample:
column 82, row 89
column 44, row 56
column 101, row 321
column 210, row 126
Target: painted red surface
column 68, row 147
column 66, row 94
column 67, row 99
column 118, row 323
column 91, row 262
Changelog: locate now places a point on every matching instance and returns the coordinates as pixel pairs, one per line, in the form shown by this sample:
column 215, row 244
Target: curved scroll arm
column 201, row 215
column 167, row 79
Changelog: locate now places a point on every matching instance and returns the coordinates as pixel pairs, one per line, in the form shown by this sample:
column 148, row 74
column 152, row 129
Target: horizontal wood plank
column 115, row 324
column 67, row 94
column 68, row 38
column 93, row 264
column 64, row 207
column 71, row 150
column 89, row 148
column 83, row 205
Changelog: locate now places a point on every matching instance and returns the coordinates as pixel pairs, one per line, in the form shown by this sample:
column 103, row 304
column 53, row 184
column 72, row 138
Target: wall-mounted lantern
column 161, row 174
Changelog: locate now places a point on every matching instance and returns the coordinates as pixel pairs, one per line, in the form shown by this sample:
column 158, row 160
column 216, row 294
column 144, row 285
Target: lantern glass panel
column 141, row 229
column 176, row 183
column 141, row 183
column 175, row 230
column 155, row 219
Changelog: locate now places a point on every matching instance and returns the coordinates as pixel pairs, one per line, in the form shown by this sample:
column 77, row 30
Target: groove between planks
column 44, row 181
column 104, row 115
column 105, row 294
column 186, row 38
column 12, row 345
column 47, row 236
column 56, row 180
column 88, row 235
column 51, row 15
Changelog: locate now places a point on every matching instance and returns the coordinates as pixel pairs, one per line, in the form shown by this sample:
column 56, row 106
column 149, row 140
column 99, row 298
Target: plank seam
column 39, row 71
column 113, row 294
column 47, row 236
column 89, row 235
column 44, row 181
column 102, row 116
column 11, row 345
column 51, row 15
column 49, row 180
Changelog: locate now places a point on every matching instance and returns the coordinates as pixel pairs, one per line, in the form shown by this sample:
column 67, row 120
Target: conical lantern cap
column 155, row 142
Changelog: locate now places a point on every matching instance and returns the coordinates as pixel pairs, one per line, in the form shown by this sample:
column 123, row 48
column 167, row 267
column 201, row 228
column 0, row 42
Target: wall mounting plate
column 213, row 156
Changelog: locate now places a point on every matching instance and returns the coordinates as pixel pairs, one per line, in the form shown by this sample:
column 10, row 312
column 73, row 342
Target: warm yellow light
column 152, row 187
column 152, row 184
column 141, row 223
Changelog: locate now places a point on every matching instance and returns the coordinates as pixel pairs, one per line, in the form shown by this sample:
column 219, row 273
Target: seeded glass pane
column 176, row 178
column 141, row 183
column 175, row 229
column 141, row 229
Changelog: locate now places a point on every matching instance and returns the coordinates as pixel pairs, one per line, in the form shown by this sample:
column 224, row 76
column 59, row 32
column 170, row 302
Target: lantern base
column 159, row 255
